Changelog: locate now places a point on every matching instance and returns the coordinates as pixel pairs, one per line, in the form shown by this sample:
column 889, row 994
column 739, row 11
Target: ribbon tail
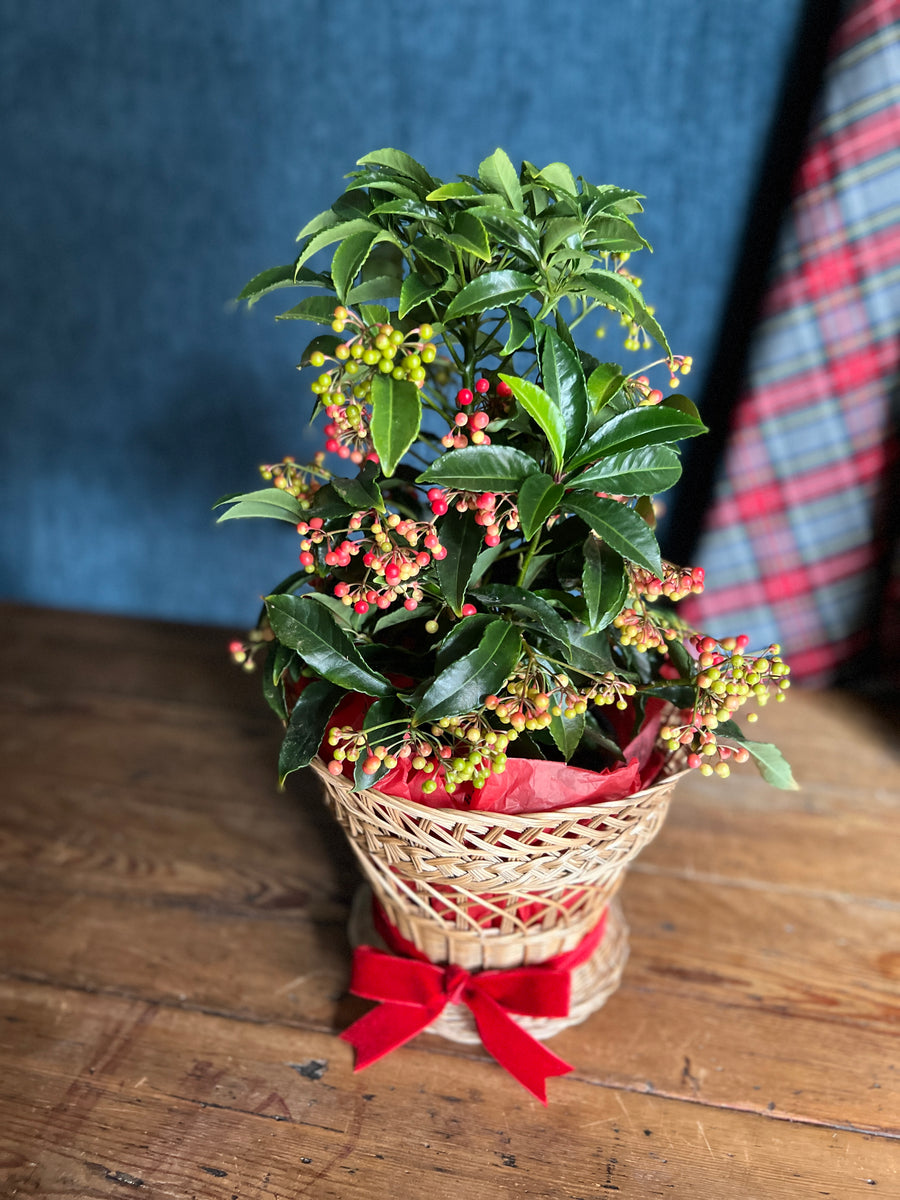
column 386, row 1027
column 526, row 1059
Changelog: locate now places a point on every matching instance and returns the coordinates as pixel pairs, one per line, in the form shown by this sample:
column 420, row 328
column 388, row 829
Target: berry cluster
column 394, row 550
column 726, row 679
column 676, row 582
column 371, row 350
column 490, row 509
column 301, row 482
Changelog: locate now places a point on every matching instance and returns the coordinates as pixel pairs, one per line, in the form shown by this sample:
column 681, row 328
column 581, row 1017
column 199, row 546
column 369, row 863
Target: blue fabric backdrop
column 156, row 155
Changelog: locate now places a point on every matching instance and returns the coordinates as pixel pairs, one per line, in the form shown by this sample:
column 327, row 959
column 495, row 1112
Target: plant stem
column 532, row 550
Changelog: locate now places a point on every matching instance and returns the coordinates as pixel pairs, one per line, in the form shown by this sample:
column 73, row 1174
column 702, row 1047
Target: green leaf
column 590, row 651
column 416, row 210
column 462, row 687
column 415, row 291
column 769, row 760
column 609, row 287
column 464, row 541
column 521, row 328
column 348, row 260
column 563, row 379
column 374, row 314
column 469, row 235
column 481, row 469
column 682, row 404
column 362, row 492
column 316, row 224
column 314, row 308
column 403, row 164
column 336, row 233
column 632, row 472
column 433, row 250
column 539, row 498
column 267, row 281
column 499, row 175
column 326, row 342
column 604, row 583
column 638, row 427
column 567, row 732
column 543, row 410
column 383, row 287
column 623, row 530
column 559, row 178
column 277, row 658
column 452, row 191
column 306, row 729
column 510, row 228
column 310, row 629
column 614, row 234
column 494, row 289
column 463, row 637
column 396, row 417
column 267, row 502
column 527, row 604
column 604, row 382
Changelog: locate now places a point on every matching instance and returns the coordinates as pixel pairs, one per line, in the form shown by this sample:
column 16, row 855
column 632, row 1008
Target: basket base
column 592, row 983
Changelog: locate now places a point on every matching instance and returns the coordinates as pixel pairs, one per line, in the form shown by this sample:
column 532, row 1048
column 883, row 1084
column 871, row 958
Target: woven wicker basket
column 485, row 890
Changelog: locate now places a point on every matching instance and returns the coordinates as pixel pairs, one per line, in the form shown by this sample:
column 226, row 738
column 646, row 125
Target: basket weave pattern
column 487, row 890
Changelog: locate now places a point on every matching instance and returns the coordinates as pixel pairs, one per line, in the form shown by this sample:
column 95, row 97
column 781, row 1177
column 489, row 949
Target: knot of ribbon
column 413, row 991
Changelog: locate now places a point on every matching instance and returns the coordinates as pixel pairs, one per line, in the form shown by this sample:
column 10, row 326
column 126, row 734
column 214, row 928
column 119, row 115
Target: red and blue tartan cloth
column 798, row 537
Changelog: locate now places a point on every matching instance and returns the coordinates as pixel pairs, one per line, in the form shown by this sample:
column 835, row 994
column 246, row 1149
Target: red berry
column 482, row 386
column 504, row 391
column 361, row 607
column 468, row 610
column 464, row 396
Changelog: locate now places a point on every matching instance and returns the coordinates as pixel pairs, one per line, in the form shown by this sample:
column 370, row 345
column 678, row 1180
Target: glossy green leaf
column 604, row 583
column 510, row 228
column 415, row 291
column 314, row 308
column 324, row 220
column 526, row 604
column 632, row 472
column 521, row 328
column 452, row 191
column 498, row 174
column 384, row 287
column 311, row 630
column 559, row 178
column 267, row 502
column 651, row 426
column 563, row 379
column 494, row 289
column 348, row 260
column 622, row 530
column 603, row 383
column 463, row 685
column 416, row 210
column 309, row 719
column 462, row 637
column 769, row 760
column 327, row 343
column 682, row 404
column 434, row 251
column 362, row 492
column 403, row 164
column 336, row 233
column 614, row 234
column 267, row 281
column 567, row 732
column 468, row 234
column 543, row 410
column 539, row 498
column 481, row 469
column 464, row 541
column 396, row 417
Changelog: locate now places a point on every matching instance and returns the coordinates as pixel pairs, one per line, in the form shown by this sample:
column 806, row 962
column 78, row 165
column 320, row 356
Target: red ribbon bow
column 413, row 992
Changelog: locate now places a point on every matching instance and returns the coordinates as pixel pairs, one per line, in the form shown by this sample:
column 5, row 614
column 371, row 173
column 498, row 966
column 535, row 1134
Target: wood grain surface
column 174, row 966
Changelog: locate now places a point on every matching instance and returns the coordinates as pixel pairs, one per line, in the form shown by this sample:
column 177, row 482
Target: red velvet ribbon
column 413, row 991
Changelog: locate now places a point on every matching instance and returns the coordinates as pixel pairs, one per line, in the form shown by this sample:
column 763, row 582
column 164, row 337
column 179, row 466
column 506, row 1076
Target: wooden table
column 173, row 966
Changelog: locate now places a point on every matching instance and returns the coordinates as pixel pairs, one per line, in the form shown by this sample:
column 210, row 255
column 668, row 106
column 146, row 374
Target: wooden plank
column 124, row 1094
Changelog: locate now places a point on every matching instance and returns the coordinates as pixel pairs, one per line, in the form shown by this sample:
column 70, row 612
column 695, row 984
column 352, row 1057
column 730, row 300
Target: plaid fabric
column 792, row 544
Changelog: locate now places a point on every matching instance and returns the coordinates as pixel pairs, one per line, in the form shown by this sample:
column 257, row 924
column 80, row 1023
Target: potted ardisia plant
column 481, row 651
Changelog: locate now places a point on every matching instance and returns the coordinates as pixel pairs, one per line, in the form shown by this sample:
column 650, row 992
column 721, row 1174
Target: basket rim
column 486, row 818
